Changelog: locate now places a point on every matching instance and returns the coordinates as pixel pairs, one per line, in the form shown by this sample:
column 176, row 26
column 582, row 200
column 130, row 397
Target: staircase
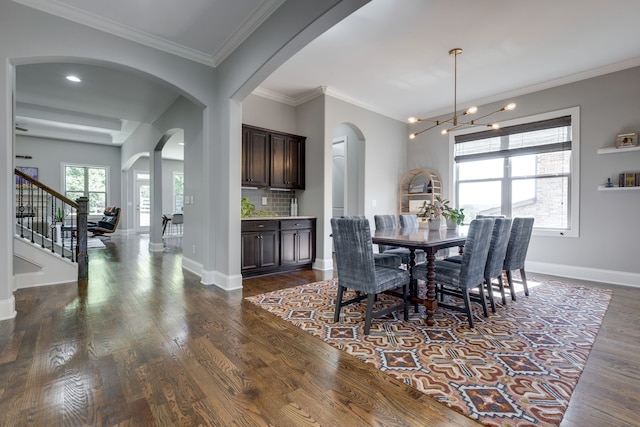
column 50, row 241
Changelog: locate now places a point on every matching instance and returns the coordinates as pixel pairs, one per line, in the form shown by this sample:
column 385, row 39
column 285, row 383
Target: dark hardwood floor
column 146, row 344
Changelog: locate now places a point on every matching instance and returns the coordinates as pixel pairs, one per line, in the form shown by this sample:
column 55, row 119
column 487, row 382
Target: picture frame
column 625, row 140
column 30, row 171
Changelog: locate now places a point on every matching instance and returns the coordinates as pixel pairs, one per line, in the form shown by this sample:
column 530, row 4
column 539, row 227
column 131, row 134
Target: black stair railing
column 53, row 221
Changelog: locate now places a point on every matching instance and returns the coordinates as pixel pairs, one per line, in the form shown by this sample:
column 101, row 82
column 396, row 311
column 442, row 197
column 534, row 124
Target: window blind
column 529, row 138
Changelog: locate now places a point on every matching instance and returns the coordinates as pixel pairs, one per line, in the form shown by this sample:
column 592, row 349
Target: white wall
column 607, row 247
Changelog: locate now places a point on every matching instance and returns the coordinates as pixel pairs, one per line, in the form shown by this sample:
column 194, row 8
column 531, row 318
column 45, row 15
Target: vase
column 58, row 227
column 451, row 225
column 434, row 224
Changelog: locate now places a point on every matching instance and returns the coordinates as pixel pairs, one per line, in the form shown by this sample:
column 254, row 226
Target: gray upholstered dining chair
column 409, row 220
column 457, row 279
column 357, row 270
column 495, row 258
column 382, row 259
column 388, row 222
column 517, row 247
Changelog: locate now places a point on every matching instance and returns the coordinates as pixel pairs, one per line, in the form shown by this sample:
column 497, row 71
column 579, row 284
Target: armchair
column 107, row 224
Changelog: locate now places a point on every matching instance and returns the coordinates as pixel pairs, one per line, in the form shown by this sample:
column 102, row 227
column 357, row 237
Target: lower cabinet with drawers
column 277, row 245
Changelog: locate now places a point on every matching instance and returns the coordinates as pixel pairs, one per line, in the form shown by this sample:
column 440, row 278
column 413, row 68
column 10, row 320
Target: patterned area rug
column 517, row 367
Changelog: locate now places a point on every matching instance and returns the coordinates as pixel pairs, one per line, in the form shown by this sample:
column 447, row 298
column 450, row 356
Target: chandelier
column 454, row 121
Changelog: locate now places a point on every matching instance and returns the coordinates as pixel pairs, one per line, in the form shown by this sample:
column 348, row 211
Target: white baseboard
column 584, row 273
column 156, row 247
column 323, row 264
column 8, row 308
column 192, row 266
column 222, row 281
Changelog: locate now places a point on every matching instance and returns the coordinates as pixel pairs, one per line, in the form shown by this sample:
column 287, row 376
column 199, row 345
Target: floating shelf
column 603, row 188
column 612, row 150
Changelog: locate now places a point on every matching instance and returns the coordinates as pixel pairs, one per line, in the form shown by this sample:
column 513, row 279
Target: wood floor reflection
column 146, row 344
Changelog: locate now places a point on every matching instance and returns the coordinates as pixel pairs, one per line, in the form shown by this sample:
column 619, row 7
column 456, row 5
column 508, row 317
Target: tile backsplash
column 278, row 202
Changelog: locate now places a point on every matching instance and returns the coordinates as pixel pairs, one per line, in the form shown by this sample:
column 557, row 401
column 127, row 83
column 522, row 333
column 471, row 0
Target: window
column 178, row 191
column 529, row 167
column 87, row 181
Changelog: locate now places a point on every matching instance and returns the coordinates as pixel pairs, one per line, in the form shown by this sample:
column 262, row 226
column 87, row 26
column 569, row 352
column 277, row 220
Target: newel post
column 83, row 258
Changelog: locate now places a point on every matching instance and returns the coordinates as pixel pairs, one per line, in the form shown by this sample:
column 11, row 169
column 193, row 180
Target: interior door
column 143, row 206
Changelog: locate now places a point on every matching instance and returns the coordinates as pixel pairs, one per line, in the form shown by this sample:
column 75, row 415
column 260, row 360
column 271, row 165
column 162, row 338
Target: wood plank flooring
column 145, row 344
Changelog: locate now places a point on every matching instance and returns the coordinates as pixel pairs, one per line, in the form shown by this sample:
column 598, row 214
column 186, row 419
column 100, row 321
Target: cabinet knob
column 261, row 226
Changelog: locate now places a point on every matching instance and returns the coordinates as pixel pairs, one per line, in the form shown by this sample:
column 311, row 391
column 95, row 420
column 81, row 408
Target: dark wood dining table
column 429, row 241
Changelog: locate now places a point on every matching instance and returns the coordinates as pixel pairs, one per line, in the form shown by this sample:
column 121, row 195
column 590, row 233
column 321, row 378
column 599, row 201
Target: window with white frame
column 178, row 191
column 529, row 167
column 87, row 181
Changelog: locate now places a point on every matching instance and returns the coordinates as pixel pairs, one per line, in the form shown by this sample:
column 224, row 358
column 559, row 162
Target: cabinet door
column 288, row 247
column 305, row 245
column 269, row 249
column 287, row 161
column 250, row 250
column 294, row 166
column 255, row 157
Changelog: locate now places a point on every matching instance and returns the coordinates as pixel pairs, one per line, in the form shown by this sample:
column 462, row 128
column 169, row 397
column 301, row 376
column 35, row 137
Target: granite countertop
column 277, row 217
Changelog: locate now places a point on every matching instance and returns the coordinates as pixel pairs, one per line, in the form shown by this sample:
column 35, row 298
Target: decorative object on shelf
column 454, row 121
column 609, row 184
column 625, row 140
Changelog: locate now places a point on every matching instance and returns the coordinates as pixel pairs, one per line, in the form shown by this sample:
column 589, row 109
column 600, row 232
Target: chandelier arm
column 454, row 119
column 489, row 114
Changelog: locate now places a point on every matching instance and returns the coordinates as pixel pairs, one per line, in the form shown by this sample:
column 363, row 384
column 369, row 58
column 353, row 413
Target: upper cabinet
column 272, row 159
column 255, row 157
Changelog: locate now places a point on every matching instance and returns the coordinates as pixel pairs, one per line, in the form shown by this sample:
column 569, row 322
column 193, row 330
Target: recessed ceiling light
column 74, row 79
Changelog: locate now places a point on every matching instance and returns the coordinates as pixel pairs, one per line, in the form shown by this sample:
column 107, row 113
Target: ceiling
column 390, row 59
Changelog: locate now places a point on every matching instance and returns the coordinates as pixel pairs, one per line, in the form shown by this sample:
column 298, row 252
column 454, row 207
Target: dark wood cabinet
column 272, row 159
column 287, row 160
column 260, row 245
column 255, row 157
column 297, row 242
column 271, row 246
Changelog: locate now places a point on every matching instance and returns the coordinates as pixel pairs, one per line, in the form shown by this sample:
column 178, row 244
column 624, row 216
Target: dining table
column 431, row 241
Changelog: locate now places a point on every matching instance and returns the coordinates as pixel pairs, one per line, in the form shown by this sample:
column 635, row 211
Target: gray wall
column 607, row 247
column 50, row 154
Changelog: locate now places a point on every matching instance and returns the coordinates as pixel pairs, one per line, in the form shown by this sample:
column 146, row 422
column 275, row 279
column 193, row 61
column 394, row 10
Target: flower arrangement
column 433, row 211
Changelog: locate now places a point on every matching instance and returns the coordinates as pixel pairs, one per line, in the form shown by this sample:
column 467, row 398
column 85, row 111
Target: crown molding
column 274, row 96
column 248, row 26
column 314, row 93
column 74, row 14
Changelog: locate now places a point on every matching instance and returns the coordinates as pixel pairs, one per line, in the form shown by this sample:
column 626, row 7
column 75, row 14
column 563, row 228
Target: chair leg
column 490, row 290
column 405, row 301
column 483, row 300
column 524, row 281
column 511, row 286
column 501, row 285
column 467, row 306
column 336, row 315
column 367, row 318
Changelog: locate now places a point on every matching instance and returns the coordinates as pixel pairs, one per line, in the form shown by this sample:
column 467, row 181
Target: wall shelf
column 614, row 150
column 603, row 188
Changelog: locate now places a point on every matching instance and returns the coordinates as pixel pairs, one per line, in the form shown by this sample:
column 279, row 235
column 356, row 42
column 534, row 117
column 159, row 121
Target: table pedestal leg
column 431, row 303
